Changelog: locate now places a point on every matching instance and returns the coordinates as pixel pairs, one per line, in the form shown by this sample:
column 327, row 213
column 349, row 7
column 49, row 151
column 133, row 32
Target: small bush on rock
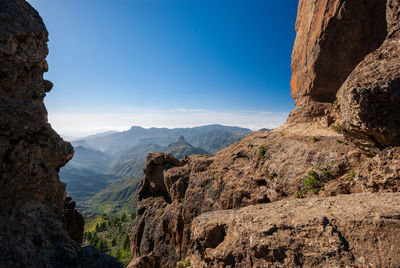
column 261, row 152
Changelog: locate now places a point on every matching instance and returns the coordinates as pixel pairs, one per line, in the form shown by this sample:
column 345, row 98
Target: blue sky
column 168, row 63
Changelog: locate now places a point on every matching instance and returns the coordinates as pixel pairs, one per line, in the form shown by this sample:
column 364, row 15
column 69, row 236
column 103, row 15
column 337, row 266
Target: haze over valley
column 107, row 167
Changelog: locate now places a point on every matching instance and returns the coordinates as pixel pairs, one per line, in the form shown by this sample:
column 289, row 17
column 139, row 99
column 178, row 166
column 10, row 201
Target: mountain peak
column 181, row 138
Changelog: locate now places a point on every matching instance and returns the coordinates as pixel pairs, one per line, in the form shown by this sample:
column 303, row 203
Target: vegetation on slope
column 110, row 235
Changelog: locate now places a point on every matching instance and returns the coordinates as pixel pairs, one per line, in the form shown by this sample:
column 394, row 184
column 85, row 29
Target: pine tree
column 127, row 242
column 103, row 226
column 133, row 215
column 94, row 239
column 105, row 246
column 97, row 228
column 102, row 246
column 118, row 254
column 114, row 242
column 123, row 218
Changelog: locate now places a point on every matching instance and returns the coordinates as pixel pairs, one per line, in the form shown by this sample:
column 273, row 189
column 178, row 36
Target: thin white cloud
column 78, row 124
column 183, row 110
column 257, row 112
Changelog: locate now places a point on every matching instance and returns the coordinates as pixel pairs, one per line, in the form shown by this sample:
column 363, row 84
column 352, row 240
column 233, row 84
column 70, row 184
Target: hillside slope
column 120, row 196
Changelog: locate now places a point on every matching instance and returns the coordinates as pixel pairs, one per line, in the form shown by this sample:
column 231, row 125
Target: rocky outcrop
column 39, row 226
column 264, row 167
column 321, row 190
column 369, row 98
column 332, row 38
column 323, row 232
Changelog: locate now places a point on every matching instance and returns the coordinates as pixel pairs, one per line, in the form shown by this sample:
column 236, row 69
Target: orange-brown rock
column 333, row 36
column 39, row 226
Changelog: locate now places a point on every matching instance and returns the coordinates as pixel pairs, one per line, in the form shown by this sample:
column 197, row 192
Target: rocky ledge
column 326, row 232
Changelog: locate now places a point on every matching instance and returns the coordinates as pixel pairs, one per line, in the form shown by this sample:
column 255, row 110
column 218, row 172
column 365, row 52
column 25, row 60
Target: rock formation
column 369, row 98
column 282, row 235
column 39, row 225
column 332, row 38
column 321, row 190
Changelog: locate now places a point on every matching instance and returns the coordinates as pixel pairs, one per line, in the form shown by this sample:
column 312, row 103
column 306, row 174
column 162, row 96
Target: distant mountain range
column 107, row 167
column 211, row 138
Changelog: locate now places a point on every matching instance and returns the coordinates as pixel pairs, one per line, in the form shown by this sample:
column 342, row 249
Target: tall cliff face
column 39, row 226
column 332, row 38
column 305, row 194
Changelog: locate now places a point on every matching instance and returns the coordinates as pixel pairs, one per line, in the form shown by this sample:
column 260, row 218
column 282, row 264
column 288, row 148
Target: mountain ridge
column 114, row 143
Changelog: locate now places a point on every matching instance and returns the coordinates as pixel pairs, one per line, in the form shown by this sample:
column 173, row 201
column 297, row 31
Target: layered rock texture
column 39, row 225
column 321, row 190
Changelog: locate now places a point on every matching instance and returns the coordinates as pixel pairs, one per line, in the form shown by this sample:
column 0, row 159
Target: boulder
column 369, row 98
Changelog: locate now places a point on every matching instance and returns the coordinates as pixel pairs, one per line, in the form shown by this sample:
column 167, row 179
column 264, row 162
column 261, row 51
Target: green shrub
column 261, row 151
column 183, row 264
column 311, row 183
column 335, row 102
column 301, row 193
column 312, row 173
column 315, row 139
column 351, row 176
column 187, row 263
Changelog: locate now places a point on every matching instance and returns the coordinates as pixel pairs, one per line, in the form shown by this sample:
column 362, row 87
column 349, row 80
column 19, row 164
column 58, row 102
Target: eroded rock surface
column 39, row 226
column 369, row 99
column 358, row 230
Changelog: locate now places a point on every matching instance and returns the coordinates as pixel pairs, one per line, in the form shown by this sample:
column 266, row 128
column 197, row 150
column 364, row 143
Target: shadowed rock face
column 39, row 226
column 238, row 209
column 369, row 99
column 333, row 36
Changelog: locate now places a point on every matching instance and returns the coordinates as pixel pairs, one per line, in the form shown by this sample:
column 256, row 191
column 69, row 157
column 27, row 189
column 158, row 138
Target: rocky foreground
column 322, row 190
